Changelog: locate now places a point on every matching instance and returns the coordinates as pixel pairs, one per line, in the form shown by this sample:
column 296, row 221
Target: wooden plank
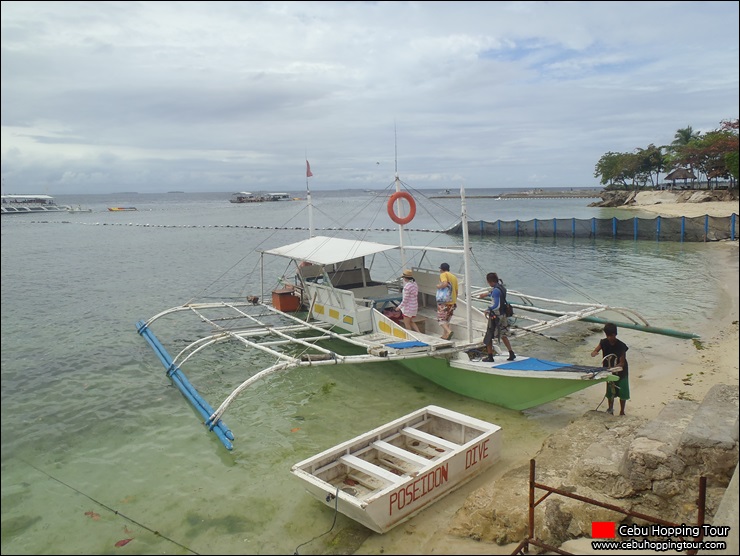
column 430, row 439
column 370, row 468
column 400, row 453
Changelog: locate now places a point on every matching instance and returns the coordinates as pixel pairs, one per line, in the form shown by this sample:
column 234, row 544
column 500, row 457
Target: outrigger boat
column 333, row 311
column 385, row 476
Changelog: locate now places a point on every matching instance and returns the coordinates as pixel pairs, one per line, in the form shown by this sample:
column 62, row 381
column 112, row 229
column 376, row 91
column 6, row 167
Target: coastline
column 691, row 210
column 664, row 370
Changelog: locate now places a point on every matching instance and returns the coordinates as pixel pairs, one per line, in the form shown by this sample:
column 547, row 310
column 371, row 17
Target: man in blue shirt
column 498, row 322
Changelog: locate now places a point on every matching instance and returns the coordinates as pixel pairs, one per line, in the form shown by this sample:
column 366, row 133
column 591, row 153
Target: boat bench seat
column 370, row 468
column 429, row 439
column 400, row 453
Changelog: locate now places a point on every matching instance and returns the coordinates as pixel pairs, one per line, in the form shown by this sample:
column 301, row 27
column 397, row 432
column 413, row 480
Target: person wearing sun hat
column 409, row 306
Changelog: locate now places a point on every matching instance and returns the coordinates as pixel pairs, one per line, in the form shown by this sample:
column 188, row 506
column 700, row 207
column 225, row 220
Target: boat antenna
column 395, row 148
column 466, row 263
column 398, row 189
column 308, row 198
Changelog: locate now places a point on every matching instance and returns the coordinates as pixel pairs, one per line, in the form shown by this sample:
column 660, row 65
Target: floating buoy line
column 303, row 228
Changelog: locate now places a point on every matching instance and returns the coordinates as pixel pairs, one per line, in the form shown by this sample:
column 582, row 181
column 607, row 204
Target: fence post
column 706, row 228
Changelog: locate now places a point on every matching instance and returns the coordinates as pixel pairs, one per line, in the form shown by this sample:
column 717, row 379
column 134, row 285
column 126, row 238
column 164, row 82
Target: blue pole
column 706, row 227
column 499, row 227
column 181, row 381
column 657, row 229
column 574, row 227
column 517, row 227
column 614, row 227
column 554, row 227
column 635, row 226
column 593, row 227
column 535, row 228
column 683, row 227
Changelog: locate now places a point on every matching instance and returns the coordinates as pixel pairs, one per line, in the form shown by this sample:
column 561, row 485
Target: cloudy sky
column 230, row 96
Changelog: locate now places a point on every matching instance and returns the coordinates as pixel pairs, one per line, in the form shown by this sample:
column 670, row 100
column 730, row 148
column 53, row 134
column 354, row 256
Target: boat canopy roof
column 324, row 250
column 19, row 197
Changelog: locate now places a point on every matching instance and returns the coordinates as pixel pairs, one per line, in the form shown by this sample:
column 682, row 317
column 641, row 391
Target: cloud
column 222, row 96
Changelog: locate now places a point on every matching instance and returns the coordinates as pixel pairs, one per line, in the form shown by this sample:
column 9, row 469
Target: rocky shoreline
column 647, row 466
column 636, row 199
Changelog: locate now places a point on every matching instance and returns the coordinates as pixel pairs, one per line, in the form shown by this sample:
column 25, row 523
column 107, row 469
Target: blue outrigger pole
column 188, row 390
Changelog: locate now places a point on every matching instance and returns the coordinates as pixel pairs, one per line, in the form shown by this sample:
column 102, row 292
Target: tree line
column 706, row 157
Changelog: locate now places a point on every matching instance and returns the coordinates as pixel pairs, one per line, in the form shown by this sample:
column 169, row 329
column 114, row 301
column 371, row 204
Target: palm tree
column 684, row 136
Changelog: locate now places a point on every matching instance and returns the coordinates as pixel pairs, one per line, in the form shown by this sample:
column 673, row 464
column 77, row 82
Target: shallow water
column 99, row 447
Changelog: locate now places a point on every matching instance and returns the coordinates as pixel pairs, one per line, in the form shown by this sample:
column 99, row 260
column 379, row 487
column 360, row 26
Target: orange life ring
column 412, row 207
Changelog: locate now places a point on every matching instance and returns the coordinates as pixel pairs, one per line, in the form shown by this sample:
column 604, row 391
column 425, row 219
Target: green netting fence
column 660, row 228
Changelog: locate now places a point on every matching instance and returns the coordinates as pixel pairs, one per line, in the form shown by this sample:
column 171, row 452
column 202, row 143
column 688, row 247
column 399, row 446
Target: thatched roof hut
column 681, row 174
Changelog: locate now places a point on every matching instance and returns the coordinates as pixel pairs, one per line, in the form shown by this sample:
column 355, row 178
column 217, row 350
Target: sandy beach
column 656, row 202
column 664, row 369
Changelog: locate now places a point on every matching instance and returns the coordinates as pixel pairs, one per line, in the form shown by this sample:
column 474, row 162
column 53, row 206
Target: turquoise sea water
column 99, row 447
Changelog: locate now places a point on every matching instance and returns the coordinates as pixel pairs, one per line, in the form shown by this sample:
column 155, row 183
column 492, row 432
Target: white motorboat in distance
column 30, row 204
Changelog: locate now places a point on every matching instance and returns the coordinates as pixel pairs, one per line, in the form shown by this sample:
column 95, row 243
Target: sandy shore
column 664, row 369
column 690, row 210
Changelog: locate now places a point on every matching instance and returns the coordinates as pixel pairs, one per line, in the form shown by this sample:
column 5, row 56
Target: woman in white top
column 409, row 306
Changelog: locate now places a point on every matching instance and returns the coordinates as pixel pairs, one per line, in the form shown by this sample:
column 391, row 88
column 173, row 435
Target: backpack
column 505, row 307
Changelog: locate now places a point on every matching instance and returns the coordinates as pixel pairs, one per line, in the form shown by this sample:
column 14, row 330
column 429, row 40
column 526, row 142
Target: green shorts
column 619, row 389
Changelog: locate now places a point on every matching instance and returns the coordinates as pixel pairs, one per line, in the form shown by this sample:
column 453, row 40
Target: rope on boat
column 333, row 523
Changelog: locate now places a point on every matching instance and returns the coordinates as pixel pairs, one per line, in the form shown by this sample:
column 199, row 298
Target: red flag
column 603, row 530
column 308, row 170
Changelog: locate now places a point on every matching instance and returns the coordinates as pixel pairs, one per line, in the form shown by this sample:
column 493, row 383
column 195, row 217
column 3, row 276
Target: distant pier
column 535, row 194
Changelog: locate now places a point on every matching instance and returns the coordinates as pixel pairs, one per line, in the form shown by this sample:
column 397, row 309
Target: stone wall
column 650, row 467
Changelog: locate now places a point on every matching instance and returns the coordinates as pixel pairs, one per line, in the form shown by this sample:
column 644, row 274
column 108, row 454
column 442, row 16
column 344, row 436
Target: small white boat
column 385, row 476
column 78, row 208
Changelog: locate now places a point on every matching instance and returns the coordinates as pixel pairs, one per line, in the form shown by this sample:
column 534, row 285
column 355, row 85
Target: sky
column 101, row 97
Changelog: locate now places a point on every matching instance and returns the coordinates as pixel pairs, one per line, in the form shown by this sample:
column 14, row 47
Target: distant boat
column 245, row 197
column 30, row 204
column 277, row 197
column 78, row 208
column 119, row 209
